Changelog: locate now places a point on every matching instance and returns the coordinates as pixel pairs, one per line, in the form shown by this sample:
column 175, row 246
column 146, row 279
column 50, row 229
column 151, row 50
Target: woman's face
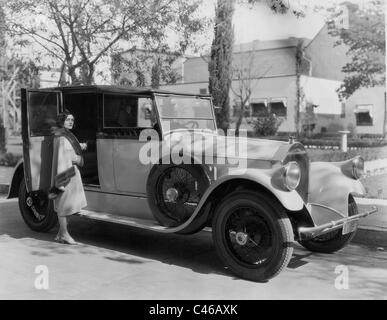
column 69, row 122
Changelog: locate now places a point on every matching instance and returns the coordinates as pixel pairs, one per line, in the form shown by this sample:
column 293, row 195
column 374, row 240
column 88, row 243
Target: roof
column 119, row 89
column 258, row 45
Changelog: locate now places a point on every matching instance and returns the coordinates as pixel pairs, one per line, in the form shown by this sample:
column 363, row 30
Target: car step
column 128, row 221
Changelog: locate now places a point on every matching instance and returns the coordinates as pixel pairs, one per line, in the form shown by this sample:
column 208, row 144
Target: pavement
column 119, row 262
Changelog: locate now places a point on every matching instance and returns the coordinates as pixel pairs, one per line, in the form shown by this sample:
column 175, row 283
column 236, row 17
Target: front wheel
column 253, row 235
column 335, row 240
column 36, row 209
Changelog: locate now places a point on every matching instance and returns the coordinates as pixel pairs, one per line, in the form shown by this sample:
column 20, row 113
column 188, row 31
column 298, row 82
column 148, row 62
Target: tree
column 246, row 77
column 149, row 68
column 365, row 39
column 79, row 34
column 220, row 65
column 3, row 139
column 279, row 6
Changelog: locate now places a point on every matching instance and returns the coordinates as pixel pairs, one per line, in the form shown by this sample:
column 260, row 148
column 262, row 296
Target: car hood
column 198, row 143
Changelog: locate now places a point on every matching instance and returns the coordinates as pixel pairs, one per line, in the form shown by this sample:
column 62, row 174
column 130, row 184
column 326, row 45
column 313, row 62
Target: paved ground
column 125, row 263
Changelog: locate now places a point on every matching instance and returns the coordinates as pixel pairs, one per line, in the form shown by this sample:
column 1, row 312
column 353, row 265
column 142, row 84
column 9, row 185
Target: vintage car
column 160, row 164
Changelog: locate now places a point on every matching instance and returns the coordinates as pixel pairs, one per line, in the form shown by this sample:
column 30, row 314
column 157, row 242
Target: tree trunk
column 220, row 65
column 3, row 138
column 87, row 74
column 155, row 80
column 239, row 121
column 72, row 75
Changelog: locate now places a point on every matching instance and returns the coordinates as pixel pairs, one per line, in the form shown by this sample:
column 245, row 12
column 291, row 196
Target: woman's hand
column 83, row 146
column 77, row 160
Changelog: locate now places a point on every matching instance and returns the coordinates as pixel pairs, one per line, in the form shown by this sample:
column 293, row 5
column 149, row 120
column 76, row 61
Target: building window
column 363, row 115
column 278, row 106
column 258, row 109
column 203, row 91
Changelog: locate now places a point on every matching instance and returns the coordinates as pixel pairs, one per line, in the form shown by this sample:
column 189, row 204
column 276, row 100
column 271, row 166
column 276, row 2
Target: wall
column 374, row 96
column 263, row 63
column 322, row 92
column 266, row 88
column 327, row 59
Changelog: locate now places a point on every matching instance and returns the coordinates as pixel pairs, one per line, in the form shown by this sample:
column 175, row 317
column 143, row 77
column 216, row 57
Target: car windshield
column 184, row 112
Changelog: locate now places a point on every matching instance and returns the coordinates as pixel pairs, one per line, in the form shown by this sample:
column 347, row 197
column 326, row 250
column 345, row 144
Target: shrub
column 9, row 159
column 266, row 125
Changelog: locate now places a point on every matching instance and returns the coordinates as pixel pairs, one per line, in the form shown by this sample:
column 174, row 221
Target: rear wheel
column 253, row 235
column 333, row 241
column 36, row 209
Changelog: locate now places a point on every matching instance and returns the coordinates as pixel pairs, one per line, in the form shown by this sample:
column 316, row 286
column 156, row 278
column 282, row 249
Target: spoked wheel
column 174, row 192
column 335, row 240
column 252, row 235
column 36, row 209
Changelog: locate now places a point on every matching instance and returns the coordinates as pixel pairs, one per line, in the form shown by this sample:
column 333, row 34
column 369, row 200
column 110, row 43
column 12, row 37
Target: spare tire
column 174, row 192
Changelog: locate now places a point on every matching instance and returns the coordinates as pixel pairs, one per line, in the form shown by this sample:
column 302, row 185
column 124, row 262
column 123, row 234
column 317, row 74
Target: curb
column 370, row 237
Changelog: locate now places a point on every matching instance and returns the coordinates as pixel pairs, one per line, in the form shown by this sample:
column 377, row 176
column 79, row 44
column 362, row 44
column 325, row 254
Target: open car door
column 39, row 111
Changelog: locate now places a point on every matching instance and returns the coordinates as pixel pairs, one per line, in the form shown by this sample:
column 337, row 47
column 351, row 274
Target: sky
column 261, row 23
column 258, row 22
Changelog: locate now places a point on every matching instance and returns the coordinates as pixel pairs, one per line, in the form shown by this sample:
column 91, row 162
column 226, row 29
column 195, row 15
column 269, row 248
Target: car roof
column 121, row 89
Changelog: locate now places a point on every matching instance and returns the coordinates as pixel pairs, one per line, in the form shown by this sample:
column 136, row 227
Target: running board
column 127, row 221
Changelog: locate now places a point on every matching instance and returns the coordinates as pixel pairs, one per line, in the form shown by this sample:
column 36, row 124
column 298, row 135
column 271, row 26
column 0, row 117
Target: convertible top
column 120, row 89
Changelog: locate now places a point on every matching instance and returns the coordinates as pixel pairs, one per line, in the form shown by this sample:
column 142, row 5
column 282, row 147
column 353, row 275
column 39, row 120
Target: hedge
column 9, row 159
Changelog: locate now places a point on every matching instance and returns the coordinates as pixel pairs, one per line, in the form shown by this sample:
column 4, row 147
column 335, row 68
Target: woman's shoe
column 65, row 241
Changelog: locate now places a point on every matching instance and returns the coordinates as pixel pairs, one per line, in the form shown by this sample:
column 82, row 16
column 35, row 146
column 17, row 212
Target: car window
column 184, row 107
column 43, row 110
column 120, row 111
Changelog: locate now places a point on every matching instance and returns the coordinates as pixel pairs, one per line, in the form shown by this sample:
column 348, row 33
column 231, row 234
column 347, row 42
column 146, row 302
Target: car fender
column 291, row 200
column 17, row 176
column 329, row 189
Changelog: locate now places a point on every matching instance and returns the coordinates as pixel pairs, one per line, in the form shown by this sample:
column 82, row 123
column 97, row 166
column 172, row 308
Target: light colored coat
column 73, row 199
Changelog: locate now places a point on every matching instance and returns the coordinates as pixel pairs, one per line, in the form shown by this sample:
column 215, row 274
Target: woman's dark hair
column 61, row 118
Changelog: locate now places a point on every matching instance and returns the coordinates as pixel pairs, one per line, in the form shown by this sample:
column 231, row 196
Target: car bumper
column 305, row 233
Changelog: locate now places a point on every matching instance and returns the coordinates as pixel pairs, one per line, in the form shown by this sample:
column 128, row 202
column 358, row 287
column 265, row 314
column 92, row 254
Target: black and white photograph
column 193, row 150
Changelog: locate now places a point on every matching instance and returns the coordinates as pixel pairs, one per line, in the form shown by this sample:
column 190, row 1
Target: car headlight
column 292, row 175
column 357, row 167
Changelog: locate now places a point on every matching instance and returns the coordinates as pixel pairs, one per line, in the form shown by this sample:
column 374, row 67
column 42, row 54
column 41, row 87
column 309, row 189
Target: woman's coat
column 73, row 199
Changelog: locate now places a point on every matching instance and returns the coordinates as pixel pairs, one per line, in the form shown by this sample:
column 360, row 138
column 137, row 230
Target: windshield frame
column 160, row 118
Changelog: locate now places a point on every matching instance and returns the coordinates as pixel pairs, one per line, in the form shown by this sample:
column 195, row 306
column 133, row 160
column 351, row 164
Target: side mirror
column 217, row 108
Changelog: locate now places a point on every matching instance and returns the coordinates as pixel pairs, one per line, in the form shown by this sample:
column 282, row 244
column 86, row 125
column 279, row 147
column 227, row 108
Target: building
column 296, row 78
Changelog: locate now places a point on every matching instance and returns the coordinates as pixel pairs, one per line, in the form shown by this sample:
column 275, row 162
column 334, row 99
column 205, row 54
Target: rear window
column 43, row 110
column 120, row 111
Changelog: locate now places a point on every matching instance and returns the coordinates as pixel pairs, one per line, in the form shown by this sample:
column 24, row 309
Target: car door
column 39, row 111
column 124, row 118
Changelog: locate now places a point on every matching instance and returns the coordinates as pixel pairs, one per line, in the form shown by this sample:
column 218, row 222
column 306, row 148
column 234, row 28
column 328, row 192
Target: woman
column 67, row 191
